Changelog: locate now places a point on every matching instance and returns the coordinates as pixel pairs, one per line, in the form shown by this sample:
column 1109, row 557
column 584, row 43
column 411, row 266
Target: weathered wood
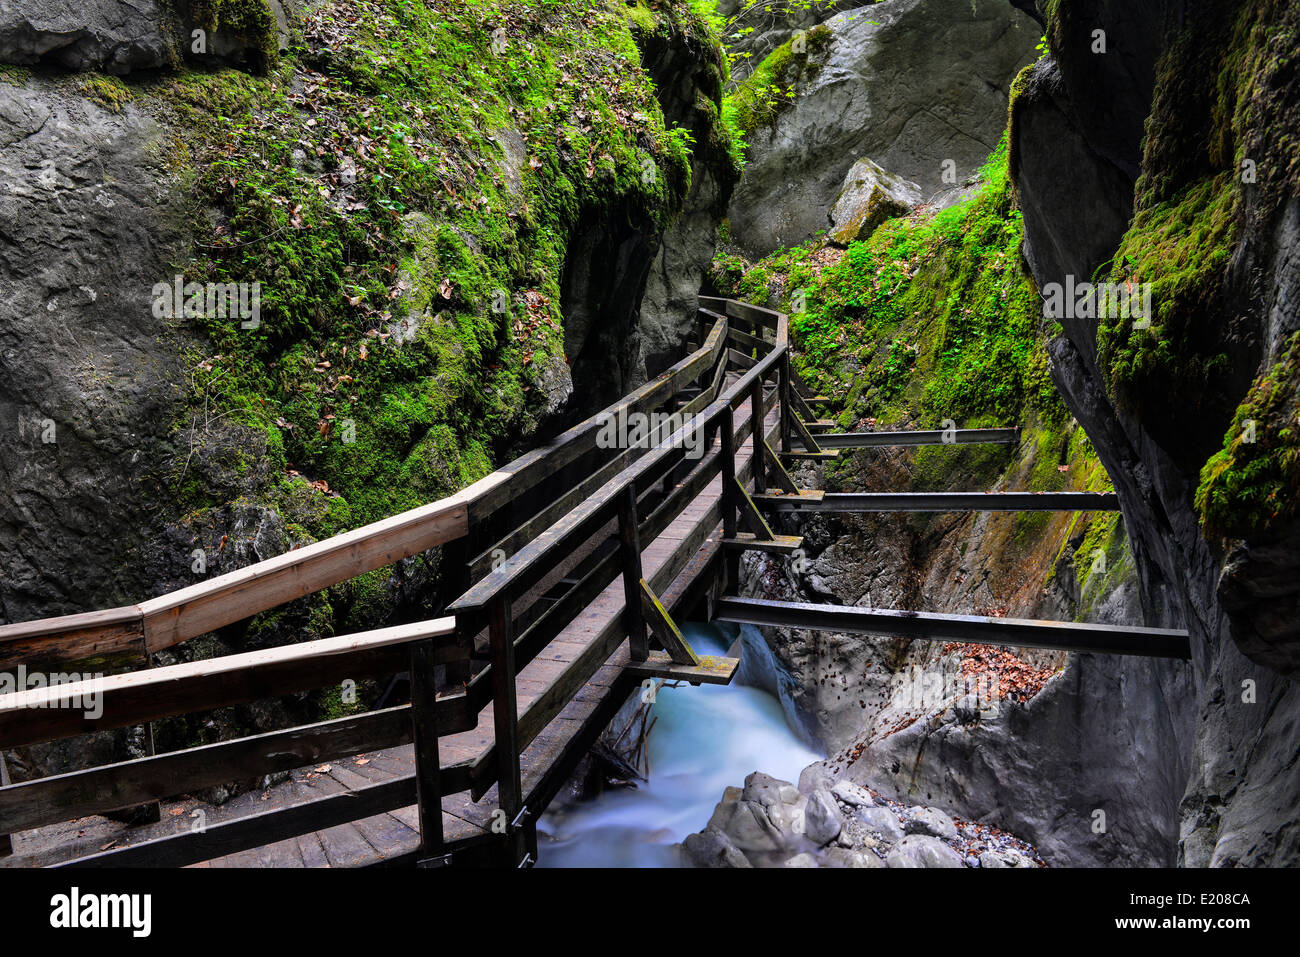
column 96, row 635
column 64, row 797
column 505, row 717
column 665, row 629
column 48, row 714
column 776, row 545
column 750, row 515
column 946, row 502
column 746, row 341
column 424, row 735
column 805, row 495
column 801, row 431
column 777, row 470
column 630, row 551
column 710, row 670
column 915, row 437
column 254, row 830
column 756, row 418
column 740, row 359
column 226, row 599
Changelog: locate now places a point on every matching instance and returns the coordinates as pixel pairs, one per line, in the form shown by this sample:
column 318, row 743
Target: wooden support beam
column 803, row 495
column 946, row 502
column 750, row 515
column 802, row 433
column 665, row 629
column 776, row 545
column 915, row 437
column 777, row 470
column 818, row 456
column 928, row 626
column 710, row 670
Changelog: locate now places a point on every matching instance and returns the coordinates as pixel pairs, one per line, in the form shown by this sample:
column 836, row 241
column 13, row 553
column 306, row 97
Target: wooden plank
column 630, row 551
column 740, row 359
column 96, row 635
column 746, row 341
column 777, row 471
column 776, row 545
column 199, row 609
column 665, row 629
column 711, row 670
column 423, row 714
column 750, row 515
column 64, row 797
column 229, row 837
column 60, row 711
column 802, row 495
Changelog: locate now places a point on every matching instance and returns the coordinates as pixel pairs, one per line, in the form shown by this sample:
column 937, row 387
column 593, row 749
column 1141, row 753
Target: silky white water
column 706, row 738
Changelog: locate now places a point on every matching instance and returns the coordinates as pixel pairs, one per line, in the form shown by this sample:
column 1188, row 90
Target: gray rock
column 712, row 848
column 816, row 776
column 112, row 36
column 921, row 850
column 766, row 790
column 822, row 818
column 932, row 821
column 870, row 196
column 853, row 794
column 801, row 860
column 1001, row 859
column 749, row 827
column 843, row 857
column 880, row 821
column 959, row 58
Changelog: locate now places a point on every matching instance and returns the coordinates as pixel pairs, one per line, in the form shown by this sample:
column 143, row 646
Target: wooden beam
column 750, row 515
column 777, row 471
column 92, row 636
column 255, row 830
column 710, row 670
column 64, row 797
column 60, row 711
column 776, row 545
column 665, row 629
column 630, row 552
column 929, row 626
column 946, row 502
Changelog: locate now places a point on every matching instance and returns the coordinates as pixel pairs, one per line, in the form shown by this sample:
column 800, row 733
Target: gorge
column 431, row 238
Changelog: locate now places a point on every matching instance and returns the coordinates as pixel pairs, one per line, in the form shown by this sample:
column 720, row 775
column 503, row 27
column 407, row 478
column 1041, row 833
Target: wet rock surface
column 816, row 828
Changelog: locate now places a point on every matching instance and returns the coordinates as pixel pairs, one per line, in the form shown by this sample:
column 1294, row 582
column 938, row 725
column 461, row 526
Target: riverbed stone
column 844, row 857
column 852, row 794
column 932, row 821
column 815, row 776
column 881, row 821
column 712, row 848
column 1001, row 859
column 922, row 850
column 801, row 860
column 766, row 790
column 822, row 819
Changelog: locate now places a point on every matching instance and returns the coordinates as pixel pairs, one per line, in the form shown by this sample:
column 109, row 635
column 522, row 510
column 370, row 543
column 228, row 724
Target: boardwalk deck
column 394, row 836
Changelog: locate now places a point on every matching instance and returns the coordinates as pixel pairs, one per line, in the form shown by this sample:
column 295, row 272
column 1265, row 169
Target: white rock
column 921, row 850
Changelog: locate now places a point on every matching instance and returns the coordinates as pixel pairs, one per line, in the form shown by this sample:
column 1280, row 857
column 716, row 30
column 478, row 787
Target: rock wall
column 1078, row 153
column 958, row 57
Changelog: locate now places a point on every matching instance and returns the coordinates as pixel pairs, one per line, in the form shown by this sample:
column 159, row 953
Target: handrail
column 518, row 572
column 174, row 617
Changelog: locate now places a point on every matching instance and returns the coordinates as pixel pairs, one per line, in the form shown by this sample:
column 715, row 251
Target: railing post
column 784, row 400
column 630, row 545
column 729, row 506
column 6, row 842
column 455, row 575
column 756, row 415
column 424, row 727
column 505, row 716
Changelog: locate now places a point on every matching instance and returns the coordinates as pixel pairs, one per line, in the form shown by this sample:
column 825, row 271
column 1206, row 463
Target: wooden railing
column 501, row 537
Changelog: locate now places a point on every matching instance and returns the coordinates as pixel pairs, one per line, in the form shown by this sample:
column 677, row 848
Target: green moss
column 404, row 189
column 250, row 20
column 931, row 314
column 108, row 91
column 1253, row 483
column 768, row 90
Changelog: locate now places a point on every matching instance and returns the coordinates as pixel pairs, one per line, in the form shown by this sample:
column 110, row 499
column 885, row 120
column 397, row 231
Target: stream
column 706, row 738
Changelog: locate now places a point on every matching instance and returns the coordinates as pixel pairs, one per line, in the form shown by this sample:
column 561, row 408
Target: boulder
column 959, row 58
column 712, row 848
column 921, row 850
column 932, row 821
column 766, row 790
column 816, row 776
column 869, row 196
column 1000, row 859
column 110, row 36
column 880, row 821
column 822, row 818
column 852, row 794
column 801, row 860
column 843, row 857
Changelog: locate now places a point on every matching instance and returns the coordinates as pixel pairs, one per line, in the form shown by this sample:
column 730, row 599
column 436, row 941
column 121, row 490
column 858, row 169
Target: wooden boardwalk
column 394, row 836
column 566, row 569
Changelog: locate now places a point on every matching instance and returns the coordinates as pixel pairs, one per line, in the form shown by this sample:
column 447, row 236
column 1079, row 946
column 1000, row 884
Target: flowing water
column 706, row 738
